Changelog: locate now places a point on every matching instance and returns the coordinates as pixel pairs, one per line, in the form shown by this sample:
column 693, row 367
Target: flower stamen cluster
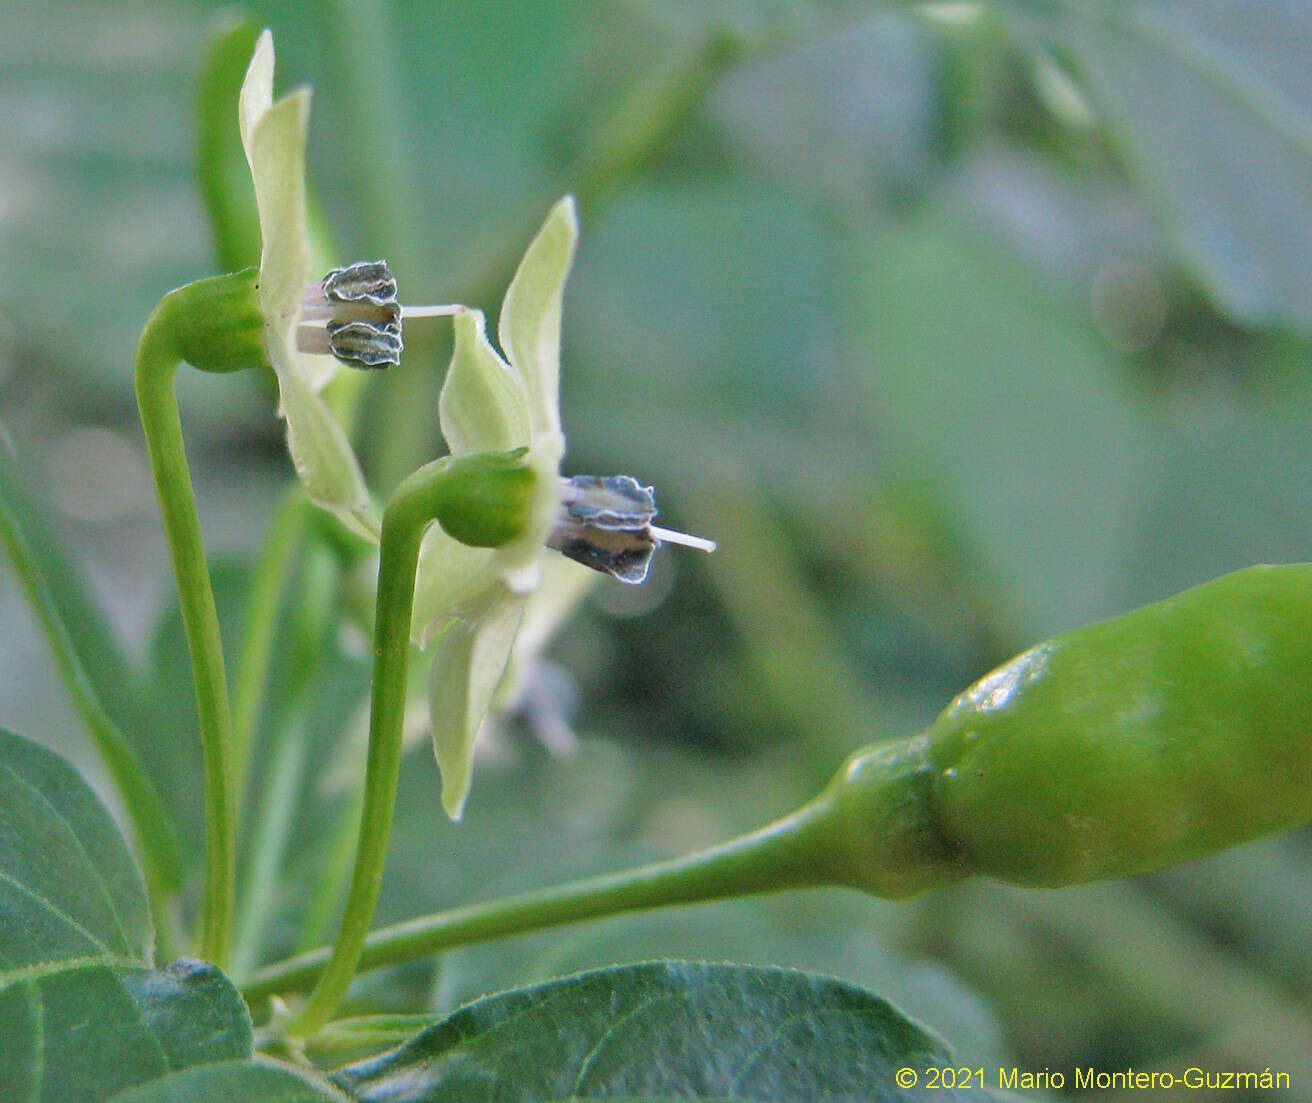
column 353, row 314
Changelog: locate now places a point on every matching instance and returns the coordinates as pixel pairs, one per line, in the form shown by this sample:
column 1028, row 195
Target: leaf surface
column 68, row 887
column 660, row 1030
column 82, row 1015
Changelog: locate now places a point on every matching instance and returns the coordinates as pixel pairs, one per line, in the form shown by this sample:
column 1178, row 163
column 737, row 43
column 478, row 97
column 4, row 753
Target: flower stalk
column 783, row 855
column 480, row 500
column 215, row 325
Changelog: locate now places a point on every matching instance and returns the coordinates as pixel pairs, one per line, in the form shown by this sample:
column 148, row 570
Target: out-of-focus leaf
column 98, row 193
column 664, row 1030
column 1220, row 495
column 68, row 887
column 704, row 326
column 116, row 683
column 225, row 180
column 841, row 116
column 1253, row 896
column 1210, row 103
column 981, row 379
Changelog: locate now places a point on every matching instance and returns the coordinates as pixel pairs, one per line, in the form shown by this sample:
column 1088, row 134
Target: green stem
column 873, row 827
column 780, row 856
column 286, row 761
column 335, row 871
column 413, row 506
column 157, row 840
column 215, row 325
column 482, row 500
column 285, row 538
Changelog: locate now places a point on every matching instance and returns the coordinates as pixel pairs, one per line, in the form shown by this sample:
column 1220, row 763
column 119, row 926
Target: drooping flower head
column 351, row 315
column 486, row 608
column 478, row 602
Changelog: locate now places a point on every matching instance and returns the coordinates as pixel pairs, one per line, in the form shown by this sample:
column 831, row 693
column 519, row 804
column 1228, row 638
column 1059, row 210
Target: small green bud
column 486, row 498
column 216, row 324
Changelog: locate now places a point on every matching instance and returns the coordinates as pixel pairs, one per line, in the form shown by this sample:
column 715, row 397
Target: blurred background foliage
column 956, row 324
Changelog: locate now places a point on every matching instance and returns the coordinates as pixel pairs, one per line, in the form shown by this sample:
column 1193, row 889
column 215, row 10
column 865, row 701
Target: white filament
column 669, row 536
column 443, row 311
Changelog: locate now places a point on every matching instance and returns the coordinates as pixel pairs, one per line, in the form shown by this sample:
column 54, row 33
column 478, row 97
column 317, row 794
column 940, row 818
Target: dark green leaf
column 229, row 1082
column 88, row 1028
column 81, row 1014
column 68, row 887
column 664, row 1030
column 193, row 1010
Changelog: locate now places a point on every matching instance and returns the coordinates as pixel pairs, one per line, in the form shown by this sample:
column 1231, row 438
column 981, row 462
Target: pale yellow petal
column 564, row 584
column 277, row 159
column 452, row 578
column 256, row 89
column 529, row 329
column 322, row 455
column 468, row 665
column 483, row 407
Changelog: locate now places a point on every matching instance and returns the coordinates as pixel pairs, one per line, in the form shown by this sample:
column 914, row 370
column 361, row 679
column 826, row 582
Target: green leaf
column 225, row 179
column 664, row 1030
column 1211, row 107
column 68, row 887
column 991, row 386
column 193, row 1011
column 81, row 1014
column 85, row 1027
column 230, row 1082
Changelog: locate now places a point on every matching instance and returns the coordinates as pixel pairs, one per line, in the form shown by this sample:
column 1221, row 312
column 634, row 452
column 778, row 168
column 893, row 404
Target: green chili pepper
column 1161, row 735
column 1167, row 733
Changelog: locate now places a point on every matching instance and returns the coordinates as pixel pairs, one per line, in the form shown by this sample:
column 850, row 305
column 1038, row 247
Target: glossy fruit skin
column 1158, row 736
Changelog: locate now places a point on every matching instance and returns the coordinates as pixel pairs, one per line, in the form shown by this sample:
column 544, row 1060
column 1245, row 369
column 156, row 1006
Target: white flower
column 490, row 610
column 475, row 598
column 273, row 135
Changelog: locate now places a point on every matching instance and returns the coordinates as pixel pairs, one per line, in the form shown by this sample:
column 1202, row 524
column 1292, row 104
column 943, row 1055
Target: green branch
column 780, row 856
column 496, row 488
column 215, row 325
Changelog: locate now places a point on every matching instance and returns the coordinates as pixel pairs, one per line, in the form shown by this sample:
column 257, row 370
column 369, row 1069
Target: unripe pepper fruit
column 1175, row 730
column 1167, row 733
